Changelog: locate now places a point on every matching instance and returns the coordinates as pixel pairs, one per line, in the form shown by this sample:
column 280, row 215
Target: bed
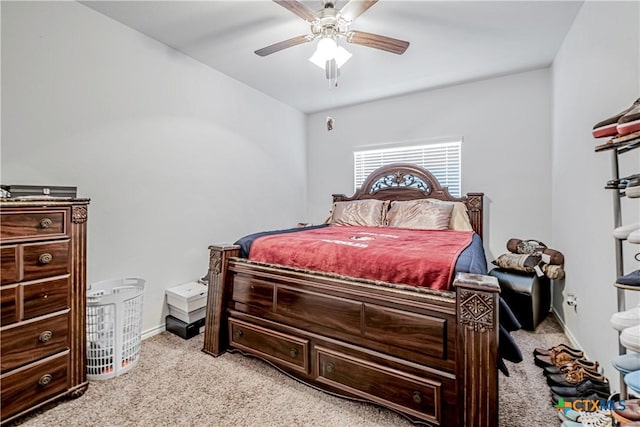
column 430, row 355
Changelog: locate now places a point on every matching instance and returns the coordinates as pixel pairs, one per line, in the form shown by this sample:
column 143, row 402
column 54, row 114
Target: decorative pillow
column 424, row 213
column 520, row 262
column 459, row 216
column 369, row 212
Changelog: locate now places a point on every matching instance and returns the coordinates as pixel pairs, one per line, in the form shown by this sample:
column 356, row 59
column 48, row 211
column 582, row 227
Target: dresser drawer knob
column 417, row 397
column 239, row 333
column 45, row 379
column 329, row 368
column 45, row 336
column 45, row 258
column 293, row 352
column 45, row 223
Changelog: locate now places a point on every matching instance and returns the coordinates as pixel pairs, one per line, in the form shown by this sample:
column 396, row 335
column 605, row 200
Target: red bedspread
column 423, row 258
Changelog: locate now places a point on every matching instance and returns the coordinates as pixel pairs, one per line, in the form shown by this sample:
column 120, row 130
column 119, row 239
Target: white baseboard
column 567, row 332
column 153, row 331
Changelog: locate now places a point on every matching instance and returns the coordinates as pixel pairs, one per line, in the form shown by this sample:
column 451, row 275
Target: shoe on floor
column 560, row 347
column 593, row 419
column 586, row 387
column 569, row 415
column 631, row 279
column 623, row 231
column 609, row 126
column 626, row 319
column 574, row 377
column 555, row 358
column 630, row 121
column 553, row 370
column 630, row 413
column 589, row 396
column 632, row 380
column 630, row 338
column 627, row 363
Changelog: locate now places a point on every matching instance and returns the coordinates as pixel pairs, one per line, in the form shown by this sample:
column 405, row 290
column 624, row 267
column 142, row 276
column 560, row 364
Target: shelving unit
column 617, row 146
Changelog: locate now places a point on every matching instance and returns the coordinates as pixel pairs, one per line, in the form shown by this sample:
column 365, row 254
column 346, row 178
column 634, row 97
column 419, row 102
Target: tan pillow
column 424, row 213
column 459, row 217
column 359, row 212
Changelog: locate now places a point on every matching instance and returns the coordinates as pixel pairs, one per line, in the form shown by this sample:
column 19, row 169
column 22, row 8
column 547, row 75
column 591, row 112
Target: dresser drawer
column 408, row 393
column 33, row 224
column 44, row 297
column 42, row 260
column 9, row 257
column 283, row 349
column 33, row 340
column 34, row 383
column 9, row 304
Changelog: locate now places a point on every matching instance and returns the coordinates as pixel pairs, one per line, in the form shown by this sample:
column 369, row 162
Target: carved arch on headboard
column 405, row 181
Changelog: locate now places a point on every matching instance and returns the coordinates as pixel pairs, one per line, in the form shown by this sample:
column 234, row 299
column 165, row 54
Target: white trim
column 442, row 156
column 567, row 332
column 409, row 142
column 153, row 331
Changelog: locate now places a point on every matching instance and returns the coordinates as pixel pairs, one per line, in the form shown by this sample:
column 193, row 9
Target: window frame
column 432, row 147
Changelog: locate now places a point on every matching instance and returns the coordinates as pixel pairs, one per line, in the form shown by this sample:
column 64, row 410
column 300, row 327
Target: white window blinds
column 443, row 160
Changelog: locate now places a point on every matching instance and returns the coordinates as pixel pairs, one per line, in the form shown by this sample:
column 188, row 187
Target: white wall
column 174, row 155
column 505, row 123
column 595, row 75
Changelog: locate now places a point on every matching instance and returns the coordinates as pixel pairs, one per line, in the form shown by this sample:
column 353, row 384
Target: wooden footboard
column 430, row 356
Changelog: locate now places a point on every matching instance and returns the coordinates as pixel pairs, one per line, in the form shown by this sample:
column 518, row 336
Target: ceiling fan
column 330, row 24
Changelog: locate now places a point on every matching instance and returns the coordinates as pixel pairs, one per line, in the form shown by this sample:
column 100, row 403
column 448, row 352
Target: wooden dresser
column 42, row 303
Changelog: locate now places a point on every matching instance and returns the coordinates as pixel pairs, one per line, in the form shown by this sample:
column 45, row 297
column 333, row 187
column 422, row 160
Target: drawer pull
column 417, row 397
column 45, row 258
column 239, row 333
column 293, row 352
column 45, row 222
column 45, row 379
column 45, row 336
column 329, row 368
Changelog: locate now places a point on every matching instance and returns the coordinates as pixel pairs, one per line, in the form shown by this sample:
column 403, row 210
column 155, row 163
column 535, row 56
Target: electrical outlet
column 572, row 301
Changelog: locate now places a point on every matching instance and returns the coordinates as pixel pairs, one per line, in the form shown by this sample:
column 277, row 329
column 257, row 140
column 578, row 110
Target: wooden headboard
column 404, row 181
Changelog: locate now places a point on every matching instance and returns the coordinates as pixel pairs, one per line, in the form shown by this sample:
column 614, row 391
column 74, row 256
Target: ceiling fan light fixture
column 327, row 50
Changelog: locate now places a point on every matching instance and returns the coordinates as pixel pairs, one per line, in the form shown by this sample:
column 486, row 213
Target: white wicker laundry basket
column 114, row 322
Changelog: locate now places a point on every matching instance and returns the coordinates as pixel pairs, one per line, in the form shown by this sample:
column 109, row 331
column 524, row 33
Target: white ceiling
column 451, row 42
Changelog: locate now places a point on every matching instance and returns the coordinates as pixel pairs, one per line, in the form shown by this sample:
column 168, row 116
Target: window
column 443, row 160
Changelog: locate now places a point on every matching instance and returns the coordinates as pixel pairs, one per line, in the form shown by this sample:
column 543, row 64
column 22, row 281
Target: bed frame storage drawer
column 34, row 383
column 410, row 394
column 277, row 347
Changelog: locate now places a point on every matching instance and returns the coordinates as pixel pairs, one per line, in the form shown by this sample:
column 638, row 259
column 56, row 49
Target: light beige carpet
column 175, row 384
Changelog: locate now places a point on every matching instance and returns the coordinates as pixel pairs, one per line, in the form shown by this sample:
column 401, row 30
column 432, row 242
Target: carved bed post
column 477, row 346
column 215, row 328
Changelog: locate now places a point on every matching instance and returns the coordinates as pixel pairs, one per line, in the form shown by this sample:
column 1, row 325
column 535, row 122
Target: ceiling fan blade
column 377, row 41
column 355, row 8
column 283, row 45
column 298, row 8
